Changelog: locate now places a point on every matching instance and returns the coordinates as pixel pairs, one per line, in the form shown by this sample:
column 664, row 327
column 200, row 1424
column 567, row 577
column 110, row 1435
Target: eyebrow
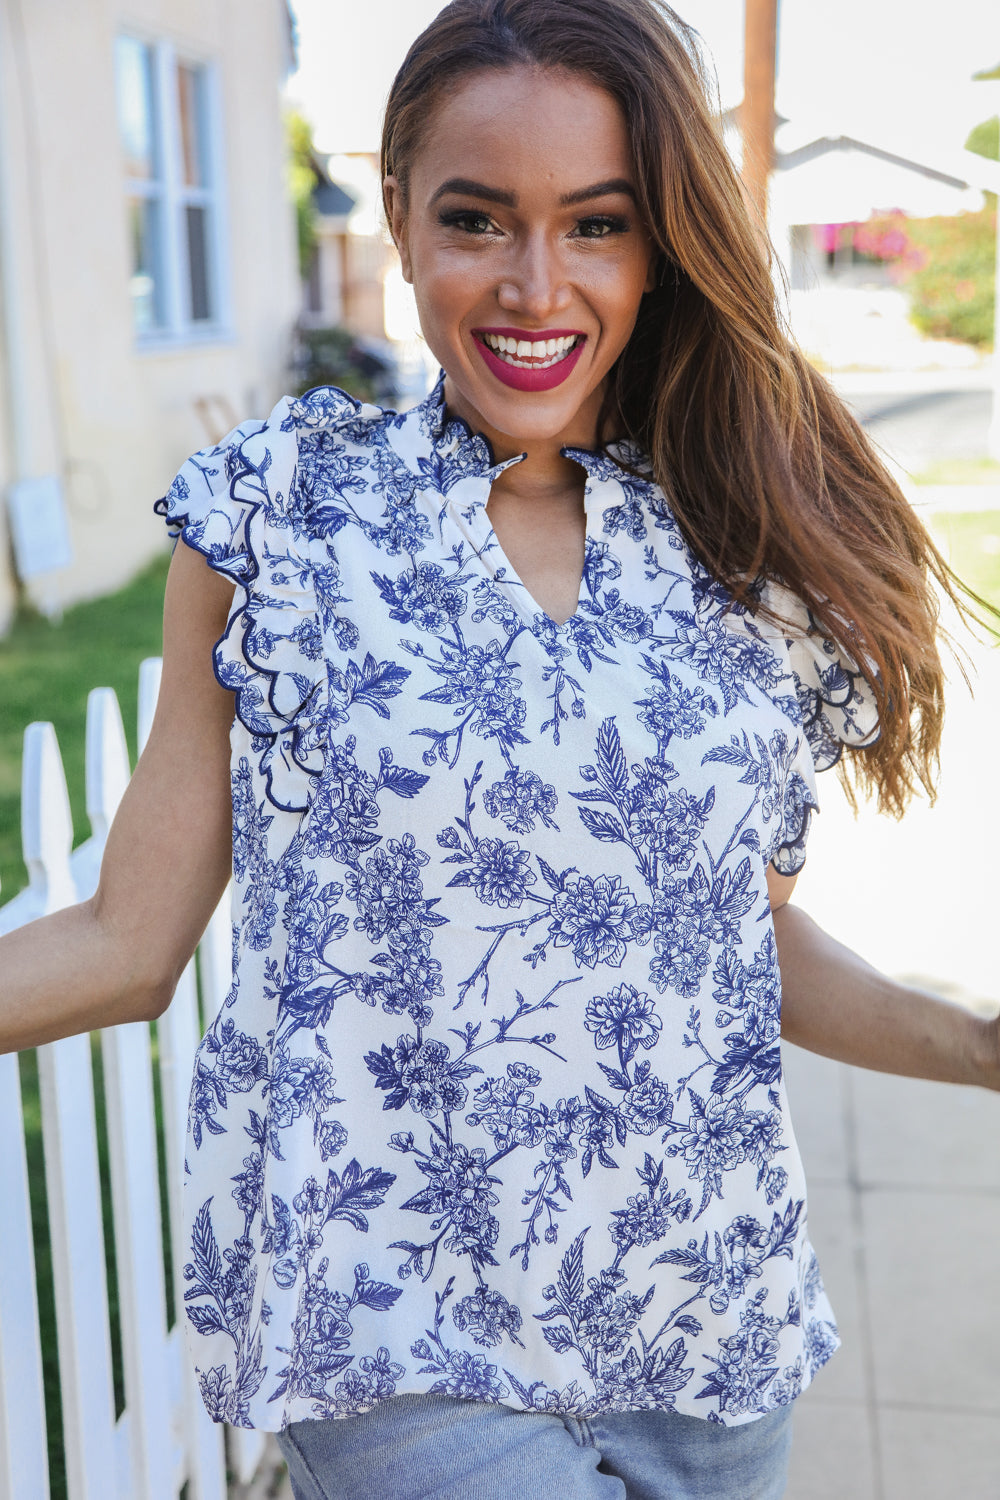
column 466, row 187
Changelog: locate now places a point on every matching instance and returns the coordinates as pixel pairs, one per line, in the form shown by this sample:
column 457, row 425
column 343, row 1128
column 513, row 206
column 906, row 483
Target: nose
column 534, row 283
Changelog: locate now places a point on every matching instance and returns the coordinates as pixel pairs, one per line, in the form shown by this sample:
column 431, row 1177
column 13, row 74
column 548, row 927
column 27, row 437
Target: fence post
column 24, row 1468
column 72, row 1177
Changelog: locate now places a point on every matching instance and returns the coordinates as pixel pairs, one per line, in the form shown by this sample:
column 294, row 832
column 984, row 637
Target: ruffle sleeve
column 235, row 504
column 835, row 707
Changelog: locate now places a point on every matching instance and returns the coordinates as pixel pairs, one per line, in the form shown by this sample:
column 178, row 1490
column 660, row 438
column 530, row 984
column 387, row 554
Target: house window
column 165, row 115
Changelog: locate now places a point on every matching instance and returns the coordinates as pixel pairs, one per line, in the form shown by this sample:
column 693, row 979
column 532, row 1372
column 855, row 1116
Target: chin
column 523, row 416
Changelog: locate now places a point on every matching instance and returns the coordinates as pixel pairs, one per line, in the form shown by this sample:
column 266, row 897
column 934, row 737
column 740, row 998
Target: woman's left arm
column 836, row 1004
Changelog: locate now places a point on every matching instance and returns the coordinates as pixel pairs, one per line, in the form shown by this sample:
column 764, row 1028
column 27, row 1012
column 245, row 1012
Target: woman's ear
column 395, row 212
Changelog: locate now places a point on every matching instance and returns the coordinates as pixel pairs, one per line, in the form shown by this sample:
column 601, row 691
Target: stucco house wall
column 110, row 413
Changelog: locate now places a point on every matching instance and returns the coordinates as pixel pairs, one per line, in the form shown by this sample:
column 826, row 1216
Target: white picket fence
column 163, row 1439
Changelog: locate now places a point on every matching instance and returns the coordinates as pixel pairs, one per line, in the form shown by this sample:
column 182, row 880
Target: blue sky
column 894, row 73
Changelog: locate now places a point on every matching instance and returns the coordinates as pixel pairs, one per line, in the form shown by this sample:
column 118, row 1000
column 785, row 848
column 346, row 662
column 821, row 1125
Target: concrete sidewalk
column 905, row 1218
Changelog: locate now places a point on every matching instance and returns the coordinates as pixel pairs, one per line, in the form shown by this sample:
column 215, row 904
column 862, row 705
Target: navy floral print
column 494, row 1106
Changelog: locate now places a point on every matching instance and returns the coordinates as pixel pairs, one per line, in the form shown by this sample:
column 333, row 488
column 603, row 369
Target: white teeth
column 536, row 354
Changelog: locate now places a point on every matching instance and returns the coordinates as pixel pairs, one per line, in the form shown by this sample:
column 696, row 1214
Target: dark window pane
column 197, row 242
column 136, row 116
column 145, row 279
column 191, row 112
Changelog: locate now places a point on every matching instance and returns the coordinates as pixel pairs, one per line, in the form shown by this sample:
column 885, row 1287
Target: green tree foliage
column 302, row 181
column 984, row 139
column 950, row 270
column 948, row 266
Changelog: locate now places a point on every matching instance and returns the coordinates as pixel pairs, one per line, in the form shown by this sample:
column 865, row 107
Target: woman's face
column 526, row 250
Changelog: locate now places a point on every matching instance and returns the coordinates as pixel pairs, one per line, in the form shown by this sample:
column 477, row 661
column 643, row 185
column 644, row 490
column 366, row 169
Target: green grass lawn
column 971, row 542
column 46, row 672
column 961, row 471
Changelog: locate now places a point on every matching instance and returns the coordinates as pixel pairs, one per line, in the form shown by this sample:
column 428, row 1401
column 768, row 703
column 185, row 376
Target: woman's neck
column 544, row 474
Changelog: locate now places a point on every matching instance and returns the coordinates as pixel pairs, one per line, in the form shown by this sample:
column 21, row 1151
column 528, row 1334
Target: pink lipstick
column 530, row 361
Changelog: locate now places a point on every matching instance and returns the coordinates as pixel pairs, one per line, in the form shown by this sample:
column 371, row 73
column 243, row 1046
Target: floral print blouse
column 495, row 1106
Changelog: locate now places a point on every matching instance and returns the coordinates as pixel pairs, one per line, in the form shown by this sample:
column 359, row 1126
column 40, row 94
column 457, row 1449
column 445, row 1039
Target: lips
column 530, row 361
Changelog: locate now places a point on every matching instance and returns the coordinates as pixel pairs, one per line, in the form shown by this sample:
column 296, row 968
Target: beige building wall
column 113, row 418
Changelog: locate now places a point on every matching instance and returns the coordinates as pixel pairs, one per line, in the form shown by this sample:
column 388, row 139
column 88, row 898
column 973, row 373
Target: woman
column 492, row 1190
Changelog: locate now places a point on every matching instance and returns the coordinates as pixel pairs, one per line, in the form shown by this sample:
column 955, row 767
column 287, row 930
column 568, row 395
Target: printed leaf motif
column 207, row 1260
column 359, row 1188
column 602, row 825
column 784, row 1229
column 375, row 681
column 688, row 1324
column 560, row 1337
column 378, row 1295
column 611, row 763
column 207, row 1319
column 663, row 1368
column 570, row 1280
column 403, row 782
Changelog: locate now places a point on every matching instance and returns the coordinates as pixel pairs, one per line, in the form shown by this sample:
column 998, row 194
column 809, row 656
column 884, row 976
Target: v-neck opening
column 518, row 590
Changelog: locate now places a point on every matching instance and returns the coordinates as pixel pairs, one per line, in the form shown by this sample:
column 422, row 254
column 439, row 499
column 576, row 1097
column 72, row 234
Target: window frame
column 174, row 196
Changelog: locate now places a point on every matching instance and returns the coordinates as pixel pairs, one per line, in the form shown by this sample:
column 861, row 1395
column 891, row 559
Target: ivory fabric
column 494, row 1106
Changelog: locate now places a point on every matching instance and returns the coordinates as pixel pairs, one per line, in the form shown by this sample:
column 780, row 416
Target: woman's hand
column 836, row 1004
column 118, row 956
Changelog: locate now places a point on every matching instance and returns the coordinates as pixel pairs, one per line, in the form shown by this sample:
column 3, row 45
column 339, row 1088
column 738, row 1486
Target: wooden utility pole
column 757, row 113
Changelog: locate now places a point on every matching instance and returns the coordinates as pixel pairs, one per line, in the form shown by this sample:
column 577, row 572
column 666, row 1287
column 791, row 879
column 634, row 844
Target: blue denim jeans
column 431, row 1447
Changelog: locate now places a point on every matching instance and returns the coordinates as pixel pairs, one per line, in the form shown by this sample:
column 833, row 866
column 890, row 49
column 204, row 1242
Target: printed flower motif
column 607, row 1318
column 717, row 1137
column 647, row 1107
column 389, row 892
column 627, row 621
column 625, row 1018
column 505, row 1106
column 492, row 604
column 821, row 1342
column 747, row 1363
column 487, row 1316
column 732, row 660
column 381, row 1373
column 422, row 1070
column 669, row 823
column 812, row 1283
column 424, row 596
column 596, row 917
column 248, row 1192
column 521, row 798
column 299, row 1085
column 242, row 1063
column 500, row 872
column 471, row 1378
column 672, row 709
column 343, row 815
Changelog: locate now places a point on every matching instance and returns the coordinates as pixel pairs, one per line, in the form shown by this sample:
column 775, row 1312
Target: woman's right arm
column 118, row 956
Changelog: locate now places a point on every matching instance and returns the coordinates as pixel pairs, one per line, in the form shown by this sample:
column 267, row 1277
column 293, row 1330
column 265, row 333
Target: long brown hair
column 768, row 473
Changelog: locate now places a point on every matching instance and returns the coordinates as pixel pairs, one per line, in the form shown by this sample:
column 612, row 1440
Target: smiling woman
column 531, row 686
column 547, row 232
column 548, row 238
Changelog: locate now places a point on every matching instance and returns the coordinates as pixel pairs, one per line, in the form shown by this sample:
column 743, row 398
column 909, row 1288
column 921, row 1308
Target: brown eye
column 467, row 220
column 601, row 226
